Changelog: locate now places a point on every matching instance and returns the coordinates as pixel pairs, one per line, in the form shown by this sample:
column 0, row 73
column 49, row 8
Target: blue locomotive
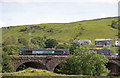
column 43, row 51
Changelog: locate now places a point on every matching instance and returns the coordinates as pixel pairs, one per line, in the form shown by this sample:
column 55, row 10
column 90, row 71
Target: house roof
column 117, row 39
column 82, row 40
column 104, row 39
column 76, row 40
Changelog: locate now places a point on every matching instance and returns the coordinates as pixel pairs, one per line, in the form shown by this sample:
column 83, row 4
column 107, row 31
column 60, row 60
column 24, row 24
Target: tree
column 105, row 47
column 9, row 41
column 62, row 46
column 39, row 41
column 73, row 47
column 86, row 43
column 23, row 41
column 12, row 49
column 51, row 43
column 84, row 62
column 32, row 46
column 6, row 63
column 80, row 50
column 114, row 24
column 21, row 67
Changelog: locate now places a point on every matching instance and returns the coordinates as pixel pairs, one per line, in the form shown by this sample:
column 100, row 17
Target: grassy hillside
column 64, row 32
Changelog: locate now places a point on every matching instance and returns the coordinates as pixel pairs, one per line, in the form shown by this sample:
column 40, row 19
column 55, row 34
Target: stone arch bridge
column 45, row 61
column 50, row 62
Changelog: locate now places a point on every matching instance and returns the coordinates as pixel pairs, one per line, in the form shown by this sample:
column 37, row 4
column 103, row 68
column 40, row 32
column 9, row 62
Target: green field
column 64, row 32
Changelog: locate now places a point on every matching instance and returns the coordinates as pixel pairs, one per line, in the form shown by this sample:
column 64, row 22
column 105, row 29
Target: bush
column 84, row 62
column 21, row 67
column 12, row 49
column 23, row 41
column 39, row 41
column 62, row 46
column 73, row 47
column 51, row 43
column 6, row 63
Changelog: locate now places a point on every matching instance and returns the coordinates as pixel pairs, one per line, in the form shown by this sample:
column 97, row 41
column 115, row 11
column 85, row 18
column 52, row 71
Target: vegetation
column 11, row 49
column 114, row 24
column 21, row 67
column 62, row 32
column 60, row 36
column 39, row 41
column 73, row 47
column 84, row 62
column 62, row 46
column 32, row 72
column 51, row 43
column 6, row 63
column 60, row 76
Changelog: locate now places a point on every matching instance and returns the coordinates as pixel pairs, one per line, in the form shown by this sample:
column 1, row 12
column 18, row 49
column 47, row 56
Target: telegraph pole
column 114, row 47
column 30, row 37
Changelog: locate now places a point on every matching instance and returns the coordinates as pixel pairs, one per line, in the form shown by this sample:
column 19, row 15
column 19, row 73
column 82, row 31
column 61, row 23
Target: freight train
column 105, row 52
column 118, row 52
column 100, row 51
column 43, row 51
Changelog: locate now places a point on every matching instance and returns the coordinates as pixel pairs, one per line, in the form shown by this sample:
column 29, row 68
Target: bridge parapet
column 38, row 55
column 114, row 57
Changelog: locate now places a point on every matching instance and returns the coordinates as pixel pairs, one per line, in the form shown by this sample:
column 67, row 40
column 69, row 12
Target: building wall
column 103, row 43
column 117, row 43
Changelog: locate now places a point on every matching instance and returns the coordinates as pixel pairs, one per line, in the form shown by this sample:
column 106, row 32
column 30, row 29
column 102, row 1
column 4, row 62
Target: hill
column 64, row 32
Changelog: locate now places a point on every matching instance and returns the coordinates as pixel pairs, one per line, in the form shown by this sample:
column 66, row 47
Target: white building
column 117, row 42
column 103, row 42
column 83, row 41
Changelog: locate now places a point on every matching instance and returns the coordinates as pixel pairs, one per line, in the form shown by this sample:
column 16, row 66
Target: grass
column 31, row 72
column 35, row 72
column 64, row 32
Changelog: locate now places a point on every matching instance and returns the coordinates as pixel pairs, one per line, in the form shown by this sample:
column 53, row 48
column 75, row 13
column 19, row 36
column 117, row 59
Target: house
column 83, row 41
column 117, row 42
column 103, row 42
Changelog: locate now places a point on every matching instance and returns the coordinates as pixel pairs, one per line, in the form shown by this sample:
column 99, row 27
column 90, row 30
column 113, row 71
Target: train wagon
column 118, row 52
column 43, row 51
column 100, row 51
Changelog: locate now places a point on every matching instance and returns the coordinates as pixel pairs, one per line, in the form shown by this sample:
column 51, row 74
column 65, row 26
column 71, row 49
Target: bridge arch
column 47, row 63
column 113, row 66
column 55, row 68
column 32, row 64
